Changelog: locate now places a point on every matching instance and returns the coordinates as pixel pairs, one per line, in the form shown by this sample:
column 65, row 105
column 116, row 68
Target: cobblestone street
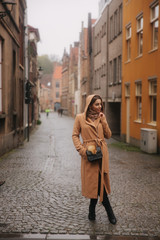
column 42, row 192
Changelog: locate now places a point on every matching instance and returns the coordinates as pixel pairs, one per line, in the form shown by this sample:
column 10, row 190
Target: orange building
column 140, row 70
column 57, row 87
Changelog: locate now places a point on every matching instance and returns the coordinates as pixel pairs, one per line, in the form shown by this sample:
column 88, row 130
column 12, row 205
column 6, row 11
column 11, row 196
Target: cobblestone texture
column 42, row 193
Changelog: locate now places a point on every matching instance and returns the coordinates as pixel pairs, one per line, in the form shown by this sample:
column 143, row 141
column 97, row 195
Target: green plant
column 125, row 146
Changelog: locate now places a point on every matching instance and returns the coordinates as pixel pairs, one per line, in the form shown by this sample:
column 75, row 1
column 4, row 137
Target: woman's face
column 97, row 105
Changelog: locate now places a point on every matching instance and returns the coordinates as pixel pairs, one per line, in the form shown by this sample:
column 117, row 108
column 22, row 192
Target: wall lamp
column 5, row 4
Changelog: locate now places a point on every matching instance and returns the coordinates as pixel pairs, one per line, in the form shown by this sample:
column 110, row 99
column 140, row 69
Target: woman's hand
column 101, row 114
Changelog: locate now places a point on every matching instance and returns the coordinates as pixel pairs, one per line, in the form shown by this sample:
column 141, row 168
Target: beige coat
column 92, row 133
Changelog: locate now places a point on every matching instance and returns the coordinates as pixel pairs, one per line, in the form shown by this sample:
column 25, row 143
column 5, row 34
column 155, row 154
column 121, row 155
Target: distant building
column 57, row 87
column 45, row 97
column 46, row 80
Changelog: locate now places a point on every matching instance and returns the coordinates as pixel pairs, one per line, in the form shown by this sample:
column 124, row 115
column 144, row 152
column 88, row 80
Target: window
column 115, row 70
column 119, row 69
column 111, row 28
column 57, row 84
column 110, row 72
column 21, row 40
column 128, row 39
column 115, row 24
column 95, row 45
column 153, row 99
column 127, row 90
column 0, row 75
column 139, row 100
column 103, row 29
column 99, row 42
column 98, row 78
column 140, row 34
column 155, row 24
column 104, row 69
column 57, row 94
column 120, row 18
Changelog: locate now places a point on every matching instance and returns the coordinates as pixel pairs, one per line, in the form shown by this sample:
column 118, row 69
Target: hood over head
column 88, row 101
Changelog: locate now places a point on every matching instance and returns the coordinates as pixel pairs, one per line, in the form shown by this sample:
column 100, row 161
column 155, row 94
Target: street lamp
column 40, row 71
column 5, row 4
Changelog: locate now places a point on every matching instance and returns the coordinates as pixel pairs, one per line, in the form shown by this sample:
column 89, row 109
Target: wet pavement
column 41, row 197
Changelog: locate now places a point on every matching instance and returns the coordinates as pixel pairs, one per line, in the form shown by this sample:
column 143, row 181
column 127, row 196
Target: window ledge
column 21, row 66
column 128, row 61
column 138, row 121
column 153, row 50
column 139, row 56
column 154, row 124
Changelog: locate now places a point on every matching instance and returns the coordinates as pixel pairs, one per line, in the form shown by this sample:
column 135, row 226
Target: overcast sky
column 59, row 22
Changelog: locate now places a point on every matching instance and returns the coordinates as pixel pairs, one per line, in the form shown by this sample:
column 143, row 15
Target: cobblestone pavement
column 42, row 193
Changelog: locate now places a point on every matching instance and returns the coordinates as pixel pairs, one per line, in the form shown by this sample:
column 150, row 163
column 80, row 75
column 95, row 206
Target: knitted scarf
column 92, row 114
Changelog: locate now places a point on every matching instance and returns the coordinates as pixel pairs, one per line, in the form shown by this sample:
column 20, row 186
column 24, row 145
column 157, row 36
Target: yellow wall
column 139, row 68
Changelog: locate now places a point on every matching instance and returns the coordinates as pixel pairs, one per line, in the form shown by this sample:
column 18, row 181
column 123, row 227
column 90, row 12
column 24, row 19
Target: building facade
column 33, row 38
column 12, row 75
column 141, row 74
column 73, row 77
column 114, row 72
column 45, row 97
column 65, row 82
column 83, row 67
column 100, row 57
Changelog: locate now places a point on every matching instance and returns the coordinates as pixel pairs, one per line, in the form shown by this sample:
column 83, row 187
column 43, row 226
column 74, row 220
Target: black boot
column 92, row 206
column 108, row 209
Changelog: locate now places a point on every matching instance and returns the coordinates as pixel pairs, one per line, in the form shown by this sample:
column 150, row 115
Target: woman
column 93, row 128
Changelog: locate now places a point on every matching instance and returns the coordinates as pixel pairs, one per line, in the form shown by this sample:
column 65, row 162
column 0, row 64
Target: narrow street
column 42, row 193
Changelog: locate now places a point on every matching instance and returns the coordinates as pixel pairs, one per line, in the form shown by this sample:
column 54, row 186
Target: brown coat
column 92, row 133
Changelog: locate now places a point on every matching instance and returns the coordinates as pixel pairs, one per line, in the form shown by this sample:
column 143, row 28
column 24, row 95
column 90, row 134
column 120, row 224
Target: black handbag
column 94, row 157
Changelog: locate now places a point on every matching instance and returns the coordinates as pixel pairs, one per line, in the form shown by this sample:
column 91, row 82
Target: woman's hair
column 94, row 99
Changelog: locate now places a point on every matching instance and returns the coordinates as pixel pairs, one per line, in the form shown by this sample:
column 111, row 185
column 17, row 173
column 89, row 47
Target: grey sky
column 59, row 22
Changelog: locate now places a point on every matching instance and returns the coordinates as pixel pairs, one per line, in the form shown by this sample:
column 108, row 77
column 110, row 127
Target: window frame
column 153, row 100
column 138, row 94
column 120, row 17
column 127, row 90
column 119, row 69
column 114, row 70
column 57, row 95
column 153, row 21
column 57, row 83
column 128, row 40
column 111, row 71
column 140, row 34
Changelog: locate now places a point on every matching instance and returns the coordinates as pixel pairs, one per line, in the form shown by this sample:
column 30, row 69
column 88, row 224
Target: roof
column 35, row 30
column 93, row 20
